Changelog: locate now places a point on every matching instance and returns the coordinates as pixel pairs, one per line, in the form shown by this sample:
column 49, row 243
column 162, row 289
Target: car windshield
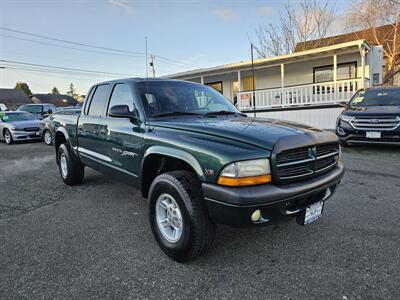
column 32, row 108
column 16, row 117
column 377, row 97
column 170, row 98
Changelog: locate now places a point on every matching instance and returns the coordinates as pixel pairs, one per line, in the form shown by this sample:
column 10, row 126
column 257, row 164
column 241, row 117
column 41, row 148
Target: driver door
column 123, row 136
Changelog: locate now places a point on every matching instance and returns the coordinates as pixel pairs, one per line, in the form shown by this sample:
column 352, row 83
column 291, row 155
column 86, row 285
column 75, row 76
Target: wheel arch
column 61, row 137
column 160, row 159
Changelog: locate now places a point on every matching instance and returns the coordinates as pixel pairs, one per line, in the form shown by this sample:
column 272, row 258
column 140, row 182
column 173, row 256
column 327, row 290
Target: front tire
column 8, row 137
column 48, row 137
column 71, row 169
column 178, row 217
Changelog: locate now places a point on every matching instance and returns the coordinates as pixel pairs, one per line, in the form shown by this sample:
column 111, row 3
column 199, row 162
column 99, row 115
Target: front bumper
column 19, row 135
column 234, row 206
column 348, row 134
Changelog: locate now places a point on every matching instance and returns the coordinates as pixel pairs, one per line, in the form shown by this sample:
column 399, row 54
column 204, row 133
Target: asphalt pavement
column 94, row 240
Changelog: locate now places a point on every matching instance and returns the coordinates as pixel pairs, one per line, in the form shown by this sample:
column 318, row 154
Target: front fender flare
column 176, row 153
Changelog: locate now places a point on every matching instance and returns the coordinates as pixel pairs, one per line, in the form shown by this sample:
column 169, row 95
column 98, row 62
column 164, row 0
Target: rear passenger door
column 91, row 128
column 124, row 136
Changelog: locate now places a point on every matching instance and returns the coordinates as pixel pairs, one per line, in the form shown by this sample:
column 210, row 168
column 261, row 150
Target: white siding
column 320, row 118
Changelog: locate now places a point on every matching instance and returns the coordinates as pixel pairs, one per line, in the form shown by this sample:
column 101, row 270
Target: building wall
column 320, row 118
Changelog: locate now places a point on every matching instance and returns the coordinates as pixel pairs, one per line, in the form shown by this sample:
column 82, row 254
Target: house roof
column 13, row 98
column 383, row 35
column 56, row 99
column 271, row 61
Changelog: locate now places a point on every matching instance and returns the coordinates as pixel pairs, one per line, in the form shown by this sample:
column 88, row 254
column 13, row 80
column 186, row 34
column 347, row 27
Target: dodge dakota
column 197, row 159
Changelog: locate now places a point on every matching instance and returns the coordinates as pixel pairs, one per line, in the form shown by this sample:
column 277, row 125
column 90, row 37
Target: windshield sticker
column 358, row 99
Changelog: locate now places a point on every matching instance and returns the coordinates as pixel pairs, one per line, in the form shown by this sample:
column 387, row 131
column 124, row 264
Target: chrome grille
column 299, row 163
column 379, row 123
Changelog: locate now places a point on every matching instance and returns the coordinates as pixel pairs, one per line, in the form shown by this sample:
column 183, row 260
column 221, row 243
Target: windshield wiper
column 176, row 113
column 224, row 112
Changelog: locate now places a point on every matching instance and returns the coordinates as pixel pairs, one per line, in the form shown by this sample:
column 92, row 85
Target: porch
column 332, row 92
column 318, row 79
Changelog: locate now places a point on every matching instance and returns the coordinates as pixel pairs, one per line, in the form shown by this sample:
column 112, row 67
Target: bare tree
column 311, row 20
column 371, row 15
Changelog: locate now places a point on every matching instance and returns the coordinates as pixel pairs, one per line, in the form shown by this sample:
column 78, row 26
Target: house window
column 344, row 71
column 216, row 86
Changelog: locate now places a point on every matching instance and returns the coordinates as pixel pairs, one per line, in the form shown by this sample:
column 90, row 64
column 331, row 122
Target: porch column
column 238, row 97
column 283, row 102
column 362, row 53
column 201, row 79
column 335, row 77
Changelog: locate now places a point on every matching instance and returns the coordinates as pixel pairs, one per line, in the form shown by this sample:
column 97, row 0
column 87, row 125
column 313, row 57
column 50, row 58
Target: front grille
column 300, row 163
column 379, row 123
column 31, row 129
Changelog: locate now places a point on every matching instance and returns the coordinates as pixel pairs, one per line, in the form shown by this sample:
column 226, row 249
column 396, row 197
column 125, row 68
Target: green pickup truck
column 197, row 159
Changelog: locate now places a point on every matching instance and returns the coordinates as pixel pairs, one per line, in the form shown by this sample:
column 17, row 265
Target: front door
column 123, row 137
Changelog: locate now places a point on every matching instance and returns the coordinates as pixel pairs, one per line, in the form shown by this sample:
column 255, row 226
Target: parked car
column 18, row 126
column 41, row 111
column 3, row 107
column 371, row 117
column 46, row 125
column 198, row 160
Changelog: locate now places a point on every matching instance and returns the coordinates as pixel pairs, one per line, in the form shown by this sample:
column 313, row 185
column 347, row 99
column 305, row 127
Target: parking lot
column 94, row 240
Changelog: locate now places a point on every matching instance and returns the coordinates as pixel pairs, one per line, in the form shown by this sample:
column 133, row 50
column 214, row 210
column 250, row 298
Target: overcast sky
column 197, row 33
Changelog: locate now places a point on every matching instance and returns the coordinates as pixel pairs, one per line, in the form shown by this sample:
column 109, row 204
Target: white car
column 3, row 107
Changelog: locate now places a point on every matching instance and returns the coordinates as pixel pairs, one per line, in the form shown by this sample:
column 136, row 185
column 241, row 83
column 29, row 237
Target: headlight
column 245, row 173
column 346, row 118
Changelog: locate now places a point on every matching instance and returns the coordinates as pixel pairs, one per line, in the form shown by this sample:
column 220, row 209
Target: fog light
column 256, row 215
column 340, row 131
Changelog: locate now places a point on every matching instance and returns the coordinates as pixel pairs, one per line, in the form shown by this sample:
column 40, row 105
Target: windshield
column 164, row 98
column 16, row 117
column 32, row 108
column 377, row 97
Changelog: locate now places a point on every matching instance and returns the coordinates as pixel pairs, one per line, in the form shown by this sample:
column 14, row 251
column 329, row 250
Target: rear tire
column 184, row 211
column 8, row 137
column 48, row 137
column 71, row 169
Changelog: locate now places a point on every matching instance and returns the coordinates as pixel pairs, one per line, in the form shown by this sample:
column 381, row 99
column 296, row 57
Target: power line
column 69, row 42
column 67, row 47
column 64, row 68
column 95, row 47
column 49, row 71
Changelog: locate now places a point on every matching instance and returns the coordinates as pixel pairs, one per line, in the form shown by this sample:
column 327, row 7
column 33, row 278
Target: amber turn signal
column 244, row 181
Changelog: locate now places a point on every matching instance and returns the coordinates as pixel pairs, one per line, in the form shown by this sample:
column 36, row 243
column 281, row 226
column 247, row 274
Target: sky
column 187, row 34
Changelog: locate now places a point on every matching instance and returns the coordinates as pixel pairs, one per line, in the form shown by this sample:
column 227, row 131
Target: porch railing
column 310, row 94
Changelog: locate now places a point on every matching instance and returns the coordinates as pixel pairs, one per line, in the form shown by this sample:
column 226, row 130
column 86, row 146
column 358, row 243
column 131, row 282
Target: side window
column 99, row 101
column 88, row 98
column 121, row 95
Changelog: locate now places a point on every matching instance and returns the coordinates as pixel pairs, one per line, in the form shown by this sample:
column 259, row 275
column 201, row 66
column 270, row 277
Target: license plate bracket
column 312, row 213
column 373, row 135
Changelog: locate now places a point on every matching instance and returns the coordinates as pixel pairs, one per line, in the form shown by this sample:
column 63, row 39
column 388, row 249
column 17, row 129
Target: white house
column 306, row 86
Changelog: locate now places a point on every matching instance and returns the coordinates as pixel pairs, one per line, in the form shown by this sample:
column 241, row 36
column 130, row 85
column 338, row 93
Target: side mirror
column 343, row 103
column 122, row 111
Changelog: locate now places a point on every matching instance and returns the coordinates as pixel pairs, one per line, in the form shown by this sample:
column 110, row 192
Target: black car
column 41, row 111
column 46, row 126
column 372, row 117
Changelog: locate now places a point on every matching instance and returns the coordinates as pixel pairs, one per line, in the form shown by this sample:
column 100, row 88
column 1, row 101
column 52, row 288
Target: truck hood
column 373, row 110
column 261, row 132
column 24, row 124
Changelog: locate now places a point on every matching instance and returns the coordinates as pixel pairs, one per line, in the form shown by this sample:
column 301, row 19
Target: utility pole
column 152, row 65
column 147, row 63
column 252, row 71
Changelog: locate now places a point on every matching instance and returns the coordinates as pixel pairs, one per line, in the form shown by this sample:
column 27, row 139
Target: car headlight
column 245, row 173
column 345, row 118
